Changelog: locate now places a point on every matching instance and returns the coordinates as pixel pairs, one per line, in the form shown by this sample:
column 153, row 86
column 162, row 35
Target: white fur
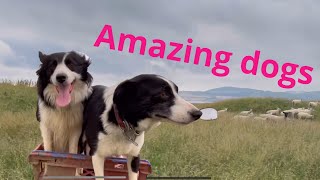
column 61, row 127
column 148, row 123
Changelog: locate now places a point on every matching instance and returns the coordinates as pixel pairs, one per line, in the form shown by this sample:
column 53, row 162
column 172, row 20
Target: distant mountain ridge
column 218, row 94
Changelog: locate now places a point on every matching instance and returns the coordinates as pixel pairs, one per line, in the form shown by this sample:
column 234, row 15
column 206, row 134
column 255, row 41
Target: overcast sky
column 283, row 30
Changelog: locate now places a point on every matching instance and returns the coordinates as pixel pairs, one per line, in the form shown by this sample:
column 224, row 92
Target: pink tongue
column 64, row 97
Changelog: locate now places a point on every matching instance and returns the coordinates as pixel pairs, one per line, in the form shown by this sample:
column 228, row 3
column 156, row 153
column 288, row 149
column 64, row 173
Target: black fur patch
column 135, row 164
column 37, row 113
column 94, row 107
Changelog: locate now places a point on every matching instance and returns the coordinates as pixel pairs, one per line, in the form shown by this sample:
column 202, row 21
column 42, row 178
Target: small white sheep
column 296, row 101
column 302, row 115
column 241, row 117
column 258, row 118
column 309, row 111
column 292, row 113
column 273, row 117
column 313, row 104
column 245, row 113
column 274, row 112
column 277, row 118
column 223, row 110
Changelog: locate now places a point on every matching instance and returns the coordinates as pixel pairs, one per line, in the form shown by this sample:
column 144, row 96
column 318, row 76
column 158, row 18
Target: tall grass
column 19, row 134
column 24, row 82
column 222, row 149
column 228, row 149
column 19, row 131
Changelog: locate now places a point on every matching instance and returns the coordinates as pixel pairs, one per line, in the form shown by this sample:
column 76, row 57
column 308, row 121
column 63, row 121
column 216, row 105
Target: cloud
column 5, row 49
column 16, row 73
column 218, row 34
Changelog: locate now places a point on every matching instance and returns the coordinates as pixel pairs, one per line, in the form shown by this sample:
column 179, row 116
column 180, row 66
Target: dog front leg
column 73, row 145
column 47, row 137
column 98, row 165
column 133, row 165
column 74, row 140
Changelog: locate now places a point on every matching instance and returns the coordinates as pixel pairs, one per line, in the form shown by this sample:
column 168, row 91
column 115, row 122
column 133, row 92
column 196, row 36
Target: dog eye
column 163, row 95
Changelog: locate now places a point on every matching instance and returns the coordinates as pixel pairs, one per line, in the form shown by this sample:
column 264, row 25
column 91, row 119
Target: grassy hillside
column 222, row 149
column 257, row 104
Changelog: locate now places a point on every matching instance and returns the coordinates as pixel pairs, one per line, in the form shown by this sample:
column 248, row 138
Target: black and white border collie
column 63, row 85
column 117, row 117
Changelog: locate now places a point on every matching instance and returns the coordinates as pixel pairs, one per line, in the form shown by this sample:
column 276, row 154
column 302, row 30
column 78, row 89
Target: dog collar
column 128, row 130
column 120, row 122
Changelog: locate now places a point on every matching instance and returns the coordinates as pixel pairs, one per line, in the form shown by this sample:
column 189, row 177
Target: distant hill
column 223, row 93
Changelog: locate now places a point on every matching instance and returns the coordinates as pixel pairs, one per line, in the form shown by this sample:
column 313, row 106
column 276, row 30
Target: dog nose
column 61, row 78
column 195, row 114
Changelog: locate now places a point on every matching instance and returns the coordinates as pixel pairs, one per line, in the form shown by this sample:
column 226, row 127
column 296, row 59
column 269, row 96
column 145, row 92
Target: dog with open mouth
column 63, row 85
column 116, row 118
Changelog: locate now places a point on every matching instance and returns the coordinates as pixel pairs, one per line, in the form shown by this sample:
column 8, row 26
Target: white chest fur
column 115, row 143
column 58, row 126
column 62, row 118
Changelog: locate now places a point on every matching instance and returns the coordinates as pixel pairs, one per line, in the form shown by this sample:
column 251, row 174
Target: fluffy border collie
column 116, row 118
column 63, row 85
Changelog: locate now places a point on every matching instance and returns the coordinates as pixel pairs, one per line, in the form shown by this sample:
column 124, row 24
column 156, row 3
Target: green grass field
column 222, row 149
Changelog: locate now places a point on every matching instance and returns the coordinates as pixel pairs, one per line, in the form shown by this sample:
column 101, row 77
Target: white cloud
column 19, row 33
column 107, row 79
column 218, row 34
column 17, row 73
column 5, row 49
column 156, row 63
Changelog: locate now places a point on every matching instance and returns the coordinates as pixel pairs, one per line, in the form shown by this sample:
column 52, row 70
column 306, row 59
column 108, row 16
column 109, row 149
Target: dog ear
column 87, row 63
column 86, row 59
column 42, row 57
